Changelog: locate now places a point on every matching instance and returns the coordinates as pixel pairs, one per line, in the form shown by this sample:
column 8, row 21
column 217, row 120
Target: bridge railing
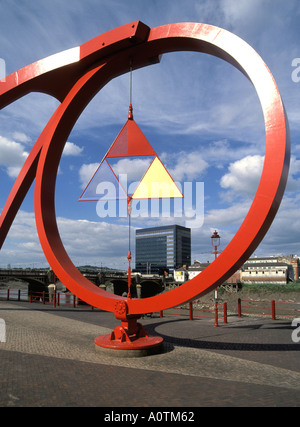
column 20, row 272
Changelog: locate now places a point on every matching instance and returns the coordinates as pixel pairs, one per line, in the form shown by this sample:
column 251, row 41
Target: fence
column 55, row 298
column 197, row 309
column 273, row 309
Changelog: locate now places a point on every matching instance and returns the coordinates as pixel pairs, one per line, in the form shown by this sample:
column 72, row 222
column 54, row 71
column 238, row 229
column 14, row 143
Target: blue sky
column 201, row 116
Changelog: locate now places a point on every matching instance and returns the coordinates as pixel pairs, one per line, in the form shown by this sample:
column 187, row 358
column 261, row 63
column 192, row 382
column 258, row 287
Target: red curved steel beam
column 93, row 76
column 56, row 75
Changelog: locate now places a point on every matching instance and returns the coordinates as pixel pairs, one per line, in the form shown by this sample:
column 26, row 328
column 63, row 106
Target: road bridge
column 142, row 286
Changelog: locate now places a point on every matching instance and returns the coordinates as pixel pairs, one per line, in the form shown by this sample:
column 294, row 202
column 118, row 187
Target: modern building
column 161, row 248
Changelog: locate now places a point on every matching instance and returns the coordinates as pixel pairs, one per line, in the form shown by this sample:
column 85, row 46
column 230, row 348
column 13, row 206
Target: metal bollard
column 239, row 307
column 273, row 310
column 216, row 314
column 225, row 312
column 191, row 311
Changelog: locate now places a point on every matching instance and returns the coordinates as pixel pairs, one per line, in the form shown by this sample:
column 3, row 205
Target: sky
column 201, row 116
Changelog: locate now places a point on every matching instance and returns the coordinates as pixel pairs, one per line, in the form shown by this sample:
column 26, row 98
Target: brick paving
column 49, row 359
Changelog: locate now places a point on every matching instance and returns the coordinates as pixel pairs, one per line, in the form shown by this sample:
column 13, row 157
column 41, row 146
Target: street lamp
column 215, row 242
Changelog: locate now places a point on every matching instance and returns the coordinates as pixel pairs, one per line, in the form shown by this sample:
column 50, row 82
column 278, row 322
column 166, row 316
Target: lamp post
column 215, row 241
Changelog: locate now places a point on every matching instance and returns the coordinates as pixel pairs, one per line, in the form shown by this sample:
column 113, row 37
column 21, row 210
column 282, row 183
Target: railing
column 13, row 294
column 54, row 298
column 197, row 309
column 273, row 309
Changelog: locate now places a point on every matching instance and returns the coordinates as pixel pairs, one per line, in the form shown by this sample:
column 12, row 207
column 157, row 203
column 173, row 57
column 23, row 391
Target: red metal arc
column 74, row 77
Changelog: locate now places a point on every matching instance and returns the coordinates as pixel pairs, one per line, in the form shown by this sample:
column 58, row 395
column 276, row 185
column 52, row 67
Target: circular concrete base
column 139, row 348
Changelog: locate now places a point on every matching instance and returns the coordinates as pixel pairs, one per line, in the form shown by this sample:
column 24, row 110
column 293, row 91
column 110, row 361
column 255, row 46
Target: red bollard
column 161, row 313
column 191, row 311
column 7, row 295
column 216, row 314
column 239, row 307
column 273, row 310
column 225, row 312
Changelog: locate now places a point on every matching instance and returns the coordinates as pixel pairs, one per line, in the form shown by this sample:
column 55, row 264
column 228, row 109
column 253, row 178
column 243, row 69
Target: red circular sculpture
column 74, row 77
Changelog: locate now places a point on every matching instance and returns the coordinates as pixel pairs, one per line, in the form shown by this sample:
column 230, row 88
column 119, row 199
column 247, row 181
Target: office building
column 160, row 248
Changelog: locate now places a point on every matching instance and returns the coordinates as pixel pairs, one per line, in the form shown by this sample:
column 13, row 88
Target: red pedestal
column 130, row 338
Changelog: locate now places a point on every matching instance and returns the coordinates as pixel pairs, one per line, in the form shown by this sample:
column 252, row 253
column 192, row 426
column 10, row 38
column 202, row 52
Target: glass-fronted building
column 160, row 248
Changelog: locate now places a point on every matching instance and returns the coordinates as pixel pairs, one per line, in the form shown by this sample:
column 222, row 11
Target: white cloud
column 86, row 242
column 102, row 242
column 293, row 183
column 185, row 166
column 21, row 137
column 235, row 11
column 86, row 172
column 244, row 175
column 12, row 156
column 72, row 149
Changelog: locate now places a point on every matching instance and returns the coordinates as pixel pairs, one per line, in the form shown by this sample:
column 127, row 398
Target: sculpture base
column 144, row 346
column 129, row 339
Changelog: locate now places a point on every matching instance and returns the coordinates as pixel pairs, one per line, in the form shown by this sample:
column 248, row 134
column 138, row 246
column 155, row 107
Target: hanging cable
column 130, row 115
column 130, row 86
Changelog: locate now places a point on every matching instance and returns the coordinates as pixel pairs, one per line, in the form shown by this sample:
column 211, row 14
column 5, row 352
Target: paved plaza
column 49, row 359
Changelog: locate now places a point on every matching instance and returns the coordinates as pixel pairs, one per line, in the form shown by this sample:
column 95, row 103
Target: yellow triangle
column 156, row 183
